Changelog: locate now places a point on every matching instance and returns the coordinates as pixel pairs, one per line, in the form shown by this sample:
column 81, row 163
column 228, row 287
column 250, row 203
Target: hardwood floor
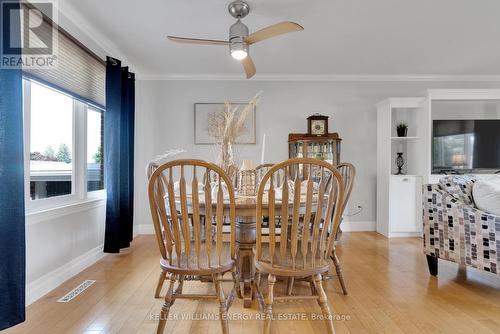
column 390, row 291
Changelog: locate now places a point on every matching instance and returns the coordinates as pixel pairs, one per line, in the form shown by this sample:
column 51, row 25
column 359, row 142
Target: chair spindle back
column 308, row 204
column 187, row 206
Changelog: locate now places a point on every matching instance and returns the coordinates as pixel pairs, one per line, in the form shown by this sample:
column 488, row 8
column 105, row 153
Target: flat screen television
column 465, row 145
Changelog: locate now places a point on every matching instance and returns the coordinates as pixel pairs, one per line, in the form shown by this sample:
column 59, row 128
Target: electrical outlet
column 358, row 210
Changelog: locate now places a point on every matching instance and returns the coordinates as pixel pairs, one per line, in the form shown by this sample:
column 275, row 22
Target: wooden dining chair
column 152, row 166
column 348, row 172
column 191, row 246
column 304, row 247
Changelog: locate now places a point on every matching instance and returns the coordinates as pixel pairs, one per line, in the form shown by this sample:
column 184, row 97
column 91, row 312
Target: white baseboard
column 53, row 279
column 361, row 226
column 405, row 234
column 346, row 226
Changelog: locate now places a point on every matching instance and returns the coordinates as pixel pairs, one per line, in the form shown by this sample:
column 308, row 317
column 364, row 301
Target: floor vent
column 76, row 291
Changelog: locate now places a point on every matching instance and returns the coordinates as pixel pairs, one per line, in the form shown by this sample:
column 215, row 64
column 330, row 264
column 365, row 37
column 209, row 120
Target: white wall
column 60, row 243
column 165, row 120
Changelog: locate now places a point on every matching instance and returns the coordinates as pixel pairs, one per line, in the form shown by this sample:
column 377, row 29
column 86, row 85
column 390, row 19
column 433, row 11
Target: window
column 62, row 125
column 95, row 144
column 51, row 143
column 64, row 147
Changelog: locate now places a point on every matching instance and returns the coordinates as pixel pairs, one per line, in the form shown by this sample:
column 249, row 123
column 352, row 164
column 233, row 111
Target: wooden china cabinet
column 317, row 143
column 324, row 147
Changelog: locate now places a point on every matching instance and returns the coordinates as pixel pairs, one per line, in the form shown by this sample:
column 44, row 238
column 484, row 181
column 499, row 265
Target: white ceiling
column 341, row 37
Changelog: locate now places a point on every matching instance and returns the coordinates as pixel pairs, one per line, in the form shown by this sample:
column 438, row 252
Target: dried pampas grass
column 225, row 128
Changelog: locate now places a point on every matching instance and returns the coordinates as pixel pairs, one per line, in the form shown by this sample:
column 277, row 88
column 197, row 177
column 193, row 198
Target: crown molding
column 323, row 77
column 84, row 27
column 464, row 94
column 401, row 102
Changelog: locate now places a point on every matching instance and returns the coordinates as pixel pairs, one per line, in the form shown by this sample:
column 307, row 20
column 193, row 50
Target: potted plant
column 402, row 129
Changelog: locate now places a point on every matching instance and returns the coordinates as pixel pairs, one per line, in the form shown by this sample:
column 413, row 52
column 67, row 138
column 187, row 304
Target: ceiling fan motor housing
column 237, row 34
column 238, row 30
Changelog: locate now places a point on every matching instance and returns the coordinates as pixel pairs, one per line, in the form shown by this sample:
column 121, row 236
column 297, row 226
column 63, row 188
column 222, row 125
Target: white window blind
column 78, row 71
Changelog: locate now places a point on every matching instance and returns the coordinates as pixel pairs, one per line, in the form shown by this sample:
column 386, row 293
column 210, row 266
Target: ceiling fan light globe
column 239, row 54
column 238, row 48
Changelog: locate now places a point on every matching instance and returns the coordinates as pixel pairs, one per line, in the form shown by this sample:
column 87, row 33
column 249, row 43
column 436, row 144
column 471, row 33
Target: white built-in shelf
column 404, row 138
column 399, row 196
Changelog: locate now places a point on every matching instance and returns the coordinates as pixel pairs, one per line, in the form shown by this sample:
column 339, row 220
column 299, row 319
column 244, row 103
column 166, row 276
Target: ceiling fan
column 239, row 39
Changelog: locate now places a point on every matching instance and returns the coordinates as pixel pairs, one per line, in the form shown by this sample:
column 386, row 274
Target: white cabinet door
column 405, row 204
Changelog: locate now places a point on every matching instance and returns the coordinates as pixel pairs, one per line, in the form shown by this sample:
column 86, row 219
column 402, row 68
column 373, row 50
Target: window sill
column 37, row 216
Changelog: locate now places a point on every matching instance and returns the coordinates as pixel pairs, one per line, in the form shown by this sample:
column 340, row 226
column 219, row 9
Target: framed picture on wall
column 206, row 114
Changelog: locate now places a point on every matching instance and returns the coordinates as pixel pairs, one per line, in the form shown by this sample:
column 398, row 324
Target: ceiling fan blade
column 187, row 40
column 249, row 66
column 272, row 31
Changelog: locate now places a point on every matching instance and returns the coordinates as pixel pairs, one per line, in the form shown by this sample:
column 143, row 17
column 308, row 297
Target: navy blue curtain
column 12, row 240
column 119, row 155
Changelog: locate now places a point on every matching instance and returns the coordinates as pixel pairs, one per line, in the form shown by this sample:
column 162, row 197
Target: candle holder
column 400, row 163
